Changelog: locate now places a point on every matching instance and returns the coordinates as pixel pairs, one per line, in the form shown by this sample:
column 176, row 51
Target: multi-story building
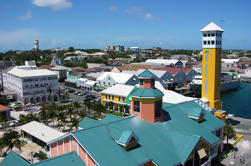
column 36, row 45
column 158, row 133
column 211, row 64
column 31, row 84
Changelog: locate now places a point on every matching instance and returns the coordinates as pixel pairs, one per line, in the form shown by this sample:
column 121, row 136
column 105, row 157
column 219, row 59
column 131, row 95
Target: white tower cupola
column 212, row 36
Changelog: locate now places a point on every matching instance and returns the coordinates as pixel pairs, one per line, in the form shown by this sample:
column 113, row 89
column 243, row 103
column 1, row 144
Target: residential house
column 109, row 79
column 61, row 72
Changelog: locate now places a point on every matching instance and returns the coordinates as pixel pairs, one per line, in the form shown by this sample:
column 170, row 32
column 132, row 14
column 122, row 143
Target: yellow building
column 117, row 94
column 211, row 64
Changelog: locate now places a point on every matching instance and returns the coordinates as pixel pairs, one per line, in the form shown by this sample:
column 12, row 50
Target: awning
column 202, row 153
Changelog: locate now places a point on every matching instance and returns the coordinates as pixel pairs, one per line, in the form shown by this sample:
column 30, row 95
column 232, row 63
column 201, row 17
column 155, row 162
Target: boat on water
column 228, row 83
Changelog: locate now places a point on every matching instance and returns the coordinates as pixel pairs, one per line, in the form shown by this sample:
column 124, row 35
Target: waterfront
column 238, row 102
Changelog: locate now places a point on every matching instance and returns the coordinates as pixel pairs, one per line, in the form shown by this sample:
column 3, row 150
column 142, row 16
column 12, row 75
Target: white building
column 166, row 62
column 31, row 84
column 109, row 79
column 230, row 61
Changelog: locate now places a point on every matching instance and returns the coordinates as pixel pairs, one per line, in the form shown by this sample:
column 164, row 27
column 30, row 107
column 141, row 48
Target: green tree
column 87, row 103
column 229, row 132
column 83, row 64
column 11, row 140
column 61, row 119
column 74, row 122
column 71, row 49
column 3, row 120
column 76, row 106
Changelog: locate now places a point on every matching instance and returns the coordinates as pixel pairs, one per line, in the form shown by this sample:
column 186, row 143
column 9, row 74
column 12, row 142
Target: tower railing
column 205, row 106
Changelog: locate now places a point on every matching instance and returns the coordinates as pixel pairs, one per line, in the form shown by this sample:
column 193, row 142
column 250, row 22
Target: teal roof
column 147, row 92
column 72, row 159
column 68, row 159
column 195, row 112
column 14, row 159
column 147, row 74
column 124, row 138
column 175, row 137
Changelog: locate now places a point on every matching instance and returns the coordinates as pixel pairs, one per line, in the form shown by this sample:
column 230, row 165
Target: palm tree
column 61, row 119
column 43, row 115
column 74, row 122
column 3, row 120
column 76, row 105
column 229, row 132
column 98, row 109
column 2, row 145
column 87, row 104
column 10, row 140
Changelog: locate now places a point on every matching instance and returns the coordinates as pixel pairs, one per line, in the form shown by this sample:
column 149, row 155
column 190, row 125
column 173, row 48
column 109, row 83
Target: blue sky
column 172, row 24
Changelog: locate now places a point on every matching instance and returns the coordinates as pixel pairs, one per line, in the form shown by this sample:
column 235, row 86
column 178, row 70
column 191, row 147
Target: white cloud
column 134, row 10
column 149, row 16
column 54, row 4
column 113, row 8
column 27, row 16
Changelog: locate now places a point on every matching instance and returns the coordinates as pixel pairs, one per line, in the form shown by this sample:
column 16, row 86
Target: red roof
column 3, row 108
column 46, row 66
column 174, row 70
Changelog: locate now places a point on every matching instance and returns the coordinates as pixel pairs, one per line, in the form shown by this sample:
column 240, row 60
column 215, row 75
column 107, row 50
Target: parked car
column 71, row 91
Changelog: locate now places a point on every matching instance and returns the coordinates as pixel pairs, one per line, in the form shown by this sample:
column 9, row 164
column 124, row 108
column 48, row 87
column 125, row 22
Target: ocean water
column 238, row 102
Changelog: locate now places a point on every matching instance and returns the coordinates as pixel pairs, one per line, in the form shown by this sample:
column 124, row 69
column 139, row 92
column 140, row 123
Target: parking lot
column 78, row 94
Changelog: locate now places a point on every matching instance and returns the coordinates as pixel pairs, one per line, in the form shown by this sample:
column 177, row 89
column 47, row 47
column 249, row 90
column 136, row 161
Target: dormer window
column 128, row 140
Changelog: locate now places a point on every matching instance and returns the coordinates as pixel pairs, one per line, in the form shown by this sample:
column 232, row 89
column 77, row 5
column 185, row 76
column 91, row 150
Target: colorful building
column 158, row 133
column 118, row 95
column 211, row 64
column 68, row 159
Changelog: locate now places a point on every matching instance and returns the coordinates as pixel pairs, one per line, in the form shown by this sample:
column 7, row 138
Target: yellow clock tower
column 211, row 64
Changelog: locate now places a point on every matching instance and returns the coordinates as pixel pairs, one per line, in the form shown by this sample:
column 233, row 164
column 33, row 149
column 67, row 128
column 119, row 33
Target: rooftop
column 58, row 67
column 212, row 27
column 41, row 131
column 156, row 140
column 24, row 71
column 118, row 77
column 46, row 66
column 146, row 74
column 119, row 90
column 147, row 92
column 3, row 108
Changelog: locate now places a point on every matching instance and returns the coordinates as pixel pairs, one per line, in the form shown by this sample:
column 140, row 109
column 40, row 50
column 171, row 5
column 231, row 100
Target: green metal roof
column 72, row 159
column 195, row 112
column 68, row 159
column 13, row 159
column 175, row 138
column 147, row 74
column 147, row 92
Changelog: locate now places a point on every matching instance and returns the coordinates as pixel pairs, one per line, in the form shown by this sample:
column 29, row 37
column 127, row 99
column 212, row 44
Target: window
column 208, row 35
column 212, row 42
column 136, row 106
column 158, row 108
column 108, row 78
column 109, row 96
column 205, row 42
column 208, row 42
column 205, row 35
column 106, row 96
column 205, row 87
column 123, row 99
column 206, row 71
column 119, row 98
column 213, row 34
column 112, row 97
column 206, row 55
column 141, row 82
column 152, row 83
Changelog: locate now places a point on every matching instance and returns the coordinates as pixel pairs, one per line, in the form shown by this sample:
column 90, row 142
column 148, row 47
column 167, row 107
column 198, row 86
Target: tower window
column 208, row 42
column 141, row 82
column 205, row 87
column 205, row 42
column 208, row 35
column 136, row 106
column 158, row 108
column 212, row 42
column 213, row 34
column 204, row 35
column 206, row 71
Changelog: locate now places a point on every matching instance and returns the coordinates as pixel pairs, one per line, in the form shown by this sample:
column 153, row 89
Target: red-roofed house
column 5, row 111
